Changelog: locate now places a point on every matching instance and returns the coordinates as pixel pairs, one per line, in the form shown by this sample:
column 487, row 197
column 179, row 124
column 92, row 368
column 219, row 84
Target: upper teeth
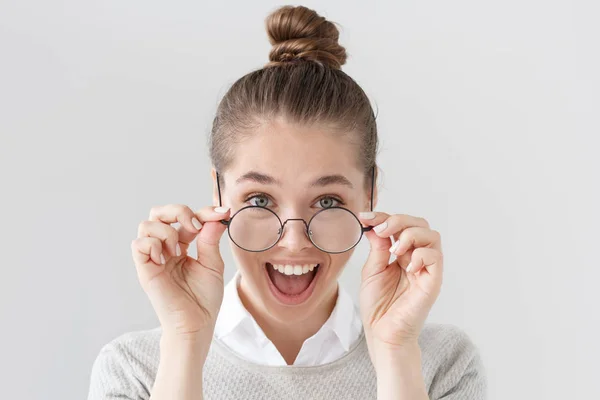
column 294, row 269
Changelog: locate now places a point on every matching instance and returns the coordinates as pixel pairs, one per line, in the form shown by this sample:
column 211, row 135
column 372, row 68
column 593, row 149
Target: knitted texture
column 452, row 369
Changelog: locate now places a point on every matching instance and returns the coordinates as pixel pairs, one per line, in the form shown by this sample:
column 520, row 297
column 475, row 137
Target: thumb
column 379, row 256
column 207, row 245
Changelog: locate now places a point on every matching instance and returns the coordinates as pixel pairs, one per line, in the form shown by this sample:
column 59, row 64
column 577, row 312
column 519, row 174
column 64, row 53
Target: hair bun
column 299, row 33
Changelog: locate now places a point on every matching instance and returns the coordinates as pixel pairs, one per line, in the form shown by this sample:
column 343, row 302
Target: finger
column 372, row 218
column 386, row 225
column 207, row 241
column 205, row 214
column 426, row 271
column 416, row 237
column 146, row 253
column 173, row 213
column 426, row 261
column 379, row 256
column 147, row 249
column 404, row 259
column 165, row 233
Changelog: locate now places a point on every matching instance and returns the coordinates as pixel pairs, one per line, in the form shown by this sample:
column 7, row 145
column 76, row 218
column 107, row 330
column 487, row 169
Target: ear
column 213, row 174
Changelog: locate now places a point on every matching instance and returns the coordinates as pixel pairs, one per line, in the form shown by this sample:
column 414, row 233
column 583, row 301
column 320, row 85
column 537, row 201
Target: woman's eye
column 327, row 202
column 261, row 200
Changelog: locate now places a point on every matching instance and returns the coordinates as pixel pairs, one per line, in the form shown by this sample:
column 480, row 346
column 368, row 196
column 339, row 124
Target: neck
column 288, row 336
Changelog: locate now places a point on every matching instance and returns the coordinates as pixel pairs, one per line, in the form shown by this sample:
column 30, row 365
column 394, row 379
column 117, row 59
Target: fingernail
column 409, row 267
column 366, row 215
column 162, row 258
column 196, row 223
column 221, row 210
column 379, row 228
column 394, row 246
column 178, row 250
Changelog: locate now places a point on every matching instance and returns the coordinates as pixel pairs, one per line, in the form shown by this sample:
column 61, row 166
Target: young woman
column 293, row 147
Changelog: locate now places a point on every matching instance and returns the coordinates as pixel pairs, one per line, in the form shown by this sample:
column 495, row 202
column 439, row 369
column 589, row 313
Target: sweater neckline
column 358, row 348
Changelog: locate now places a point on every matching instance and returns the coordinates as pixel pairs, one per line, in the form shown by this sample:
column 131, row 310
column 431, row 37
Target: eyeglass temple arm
column 372, row 185
column 224, row 222
column 219, row 189
column 368, row 228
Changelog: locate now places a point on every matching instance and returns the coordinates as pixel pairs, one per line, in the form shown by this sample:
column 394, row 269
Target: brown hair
column 304, row 83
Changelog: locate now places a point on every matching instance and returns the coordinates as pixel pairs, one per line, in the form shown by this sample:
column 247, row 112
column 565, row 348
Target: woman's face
column 295, row 171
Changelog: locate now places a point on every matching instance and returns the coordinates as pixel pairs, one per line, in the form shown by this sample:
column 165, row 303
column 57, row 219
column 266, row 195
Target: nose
column 294, row 237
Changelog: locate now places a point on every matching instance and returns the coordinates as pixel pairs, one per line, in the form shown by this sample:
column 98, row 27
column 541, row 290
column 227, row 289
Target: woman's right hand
column 186, row 293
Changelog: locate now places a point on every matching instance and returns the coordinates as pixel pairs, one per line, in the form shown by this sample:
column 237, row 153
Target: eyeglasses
column 332, row 230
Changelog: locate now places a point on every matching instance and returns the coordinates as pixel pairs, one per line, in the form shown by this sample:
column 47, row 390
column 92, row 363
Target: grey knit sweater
column 452, row 368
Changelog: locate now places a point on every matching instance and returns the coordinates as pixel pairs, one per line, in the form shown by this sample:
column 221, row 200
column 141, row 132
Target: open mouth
column 292, row 284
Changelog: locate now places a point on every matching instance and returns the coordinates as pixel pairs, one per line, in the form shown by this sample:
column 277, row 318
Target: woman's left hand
column 395, row 300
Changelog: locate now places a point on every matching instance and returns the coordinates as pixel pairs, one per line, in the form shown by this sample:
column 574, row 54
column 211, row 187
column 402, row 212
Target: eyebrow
column 257, row 177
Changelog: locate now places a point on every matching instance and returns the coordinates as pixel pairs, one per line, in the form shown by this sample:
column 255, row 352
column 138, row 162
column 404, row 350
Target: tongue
column 291, row 284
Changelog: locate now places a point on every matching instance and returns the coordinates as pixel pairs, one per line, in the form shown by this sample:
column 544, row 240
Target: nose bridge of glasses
column 293, row 239
column 294, row 219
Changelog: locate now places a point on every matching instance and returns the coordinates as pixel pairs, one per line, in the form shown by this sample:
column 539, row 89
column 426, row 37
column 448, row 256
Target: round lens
column 335, row 230
column 255, row 228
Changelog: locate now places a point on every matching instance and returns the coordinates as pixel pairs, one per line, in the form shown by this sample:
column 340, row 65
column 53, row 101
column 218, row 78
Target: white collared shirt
column 237, row 328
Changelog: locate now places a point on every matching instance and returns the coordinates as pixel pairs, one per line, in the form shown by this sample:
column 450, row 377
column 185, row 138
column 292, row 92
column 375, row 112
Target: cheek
column 338, row 262
column 246, row 261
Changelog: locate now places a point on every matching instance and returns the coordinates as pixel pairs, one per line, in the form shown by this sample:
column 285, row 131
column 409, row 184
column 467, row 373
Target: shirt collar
column 343, row 320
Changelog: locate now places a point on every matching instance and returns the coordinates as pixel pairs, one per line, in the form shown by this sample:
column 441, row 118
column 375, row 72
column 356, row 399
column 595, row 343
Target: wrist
column 179, row 375
column 189, row 346
column 396, row 355
column 187, row 337
column 399, row 372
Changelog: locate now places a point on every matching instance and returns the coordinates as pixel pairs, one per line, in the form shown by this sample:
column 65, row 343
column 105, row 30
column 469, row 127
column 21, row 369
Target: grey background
column 488, row 113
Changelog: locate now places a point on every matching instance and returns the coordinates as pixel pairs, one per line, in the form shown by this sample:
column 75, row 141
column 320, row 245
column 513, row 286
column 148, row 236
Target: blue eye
column 327, row 202
column 263, row 201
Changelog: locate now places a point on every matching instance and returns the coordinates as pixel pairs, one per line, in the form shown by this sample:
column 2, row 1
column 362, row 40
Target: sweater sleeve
column 461, row 373
column 113, row 377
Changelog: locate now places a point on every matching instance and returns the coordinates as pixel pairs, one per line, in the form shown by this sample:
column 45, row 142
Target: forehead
column 296, row 153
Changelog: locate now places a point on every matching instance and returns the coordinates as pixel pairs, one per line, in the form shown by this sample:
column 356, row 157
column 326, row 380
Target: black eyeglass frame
column 307, row 225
